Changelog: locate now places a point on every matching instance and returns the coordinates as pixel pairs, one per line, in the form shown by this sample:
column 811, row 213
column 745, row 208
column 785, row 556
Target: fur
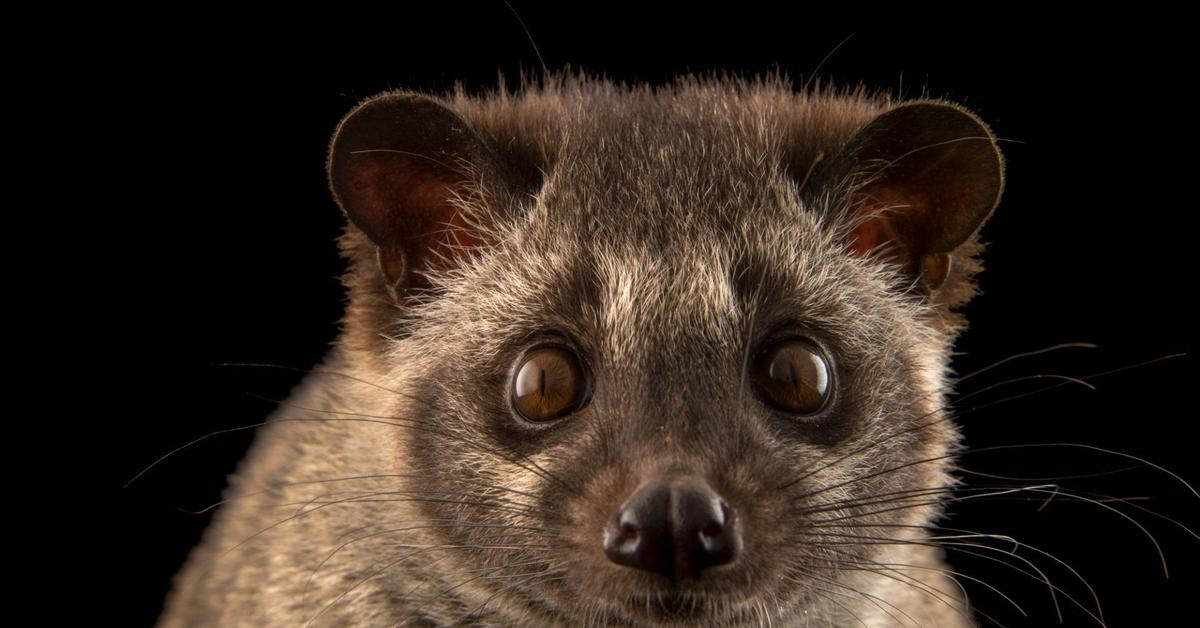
column 665, row 233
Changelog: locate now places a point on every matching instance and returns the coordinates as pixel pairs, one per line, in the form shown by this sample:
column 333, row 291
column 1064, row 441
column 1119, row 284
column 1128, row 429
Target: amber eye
column 549, row 383
column 793, row 377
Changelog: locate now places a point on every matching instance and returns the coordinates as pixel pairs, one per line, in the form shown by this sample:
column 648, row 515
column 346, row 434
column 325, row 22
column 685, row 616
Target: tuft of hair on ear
column 915, row 185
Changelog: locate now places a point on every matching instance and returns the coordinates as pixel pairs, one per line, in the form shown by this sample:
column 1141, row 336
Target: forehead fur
column 704, row 176
column 660, row 164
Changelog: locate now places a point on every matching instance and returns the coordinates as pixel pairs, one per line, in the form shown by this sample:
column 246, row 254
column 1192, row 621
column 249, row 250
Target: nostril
column 639, row 535
column 628, row 522
column 718, row 519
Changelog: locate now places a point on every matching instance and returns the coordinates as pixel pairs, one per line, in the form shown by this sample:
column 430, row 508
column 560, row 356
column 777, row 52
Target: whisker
column 402, row 559
column 1056, row 478
column 954, row 542
column 1026, row 354
column 376, row 476
column 874, row 599
column 479, row 609
column 949, row 416
column 436, row 522
column 1157, row 548
column 949, row 572
column 495, row 503
column 319, row 507
column 912, row 582
column 843, row 607
column 412, row 422
column 1110, row 452
column 905, row 541
column 533, row 468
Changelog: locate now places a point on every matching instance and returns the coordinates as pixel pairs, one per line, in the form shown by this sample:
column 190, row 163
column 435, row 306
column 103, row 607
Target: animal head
column 669, row 354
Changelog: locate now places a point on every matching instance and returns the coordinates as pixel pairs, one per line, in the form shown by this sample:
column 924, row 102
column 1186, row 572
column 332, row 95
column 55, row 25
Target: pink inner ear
column 864, row 238
column 403, row 201
column 461, row 236
column 436, row 224
column 872, row 234
column 405, row 207
column 434, row 234
column 898, row 219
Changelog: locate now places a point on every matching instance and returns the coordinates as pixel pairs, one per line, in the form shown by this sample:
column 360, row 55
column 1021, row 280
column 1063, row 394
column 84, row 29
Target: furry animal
column 622, row 355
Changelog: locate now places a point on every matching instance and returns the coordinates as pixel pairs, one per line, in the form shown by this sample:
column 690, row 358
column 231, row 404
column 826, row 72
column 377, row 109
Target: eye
column 549, row 383
column 793, row 376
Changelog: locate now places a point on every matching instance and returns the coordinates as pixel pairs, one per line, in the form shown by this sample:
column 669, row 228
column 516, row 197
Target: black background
column 214, row 131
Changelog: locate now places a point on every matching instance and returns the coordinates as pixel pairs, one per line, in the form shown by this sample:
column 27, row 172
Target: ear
column 924, row 177
column 398, row 163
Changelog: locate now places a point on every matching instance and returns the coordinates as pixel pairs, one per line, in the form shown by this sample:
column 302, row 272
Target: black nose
column 676, row 528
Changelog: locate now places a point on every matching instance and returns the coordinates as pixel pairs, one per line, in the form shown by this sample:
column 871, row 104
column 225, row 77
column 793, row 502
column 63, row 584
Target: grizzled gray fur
column 665, row 236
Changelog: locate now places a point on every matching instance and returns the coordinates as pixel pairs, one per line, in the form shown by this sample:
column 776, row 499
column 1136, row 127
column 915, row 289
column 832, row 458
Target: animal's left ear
column 923, row 178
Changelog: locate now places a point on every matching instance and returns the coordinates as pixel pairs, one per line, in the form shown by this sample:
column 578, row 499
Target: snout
column 674, row 527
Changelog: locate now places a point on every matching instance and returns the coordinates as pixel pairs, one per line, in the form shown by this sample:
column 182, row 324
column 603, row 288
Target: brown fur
column 665, row 233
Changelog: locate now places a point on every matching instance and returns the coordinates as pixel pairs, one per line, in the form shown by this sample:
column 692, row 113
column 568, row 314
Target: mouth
column 673, row 607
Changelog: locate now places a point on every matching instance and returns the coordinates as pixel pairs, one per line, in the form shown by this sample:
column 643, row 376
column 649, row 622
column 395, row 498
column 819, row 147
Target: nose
column 673, row 527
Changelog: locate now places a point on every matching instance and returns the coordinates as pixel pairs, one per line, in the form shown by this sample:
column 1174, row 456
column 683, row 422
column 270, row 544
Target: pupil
column 787, row 372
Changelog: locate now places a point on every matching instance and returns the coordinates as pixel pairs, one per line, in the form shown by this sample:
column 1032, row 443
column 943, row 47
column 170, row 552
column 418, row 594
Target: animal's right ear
column 405, row 170
column 925, row 176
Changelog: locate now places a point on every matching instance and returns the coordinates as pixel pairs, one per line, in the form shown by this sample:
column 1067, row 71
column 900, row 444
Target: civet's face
column 671, row 381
